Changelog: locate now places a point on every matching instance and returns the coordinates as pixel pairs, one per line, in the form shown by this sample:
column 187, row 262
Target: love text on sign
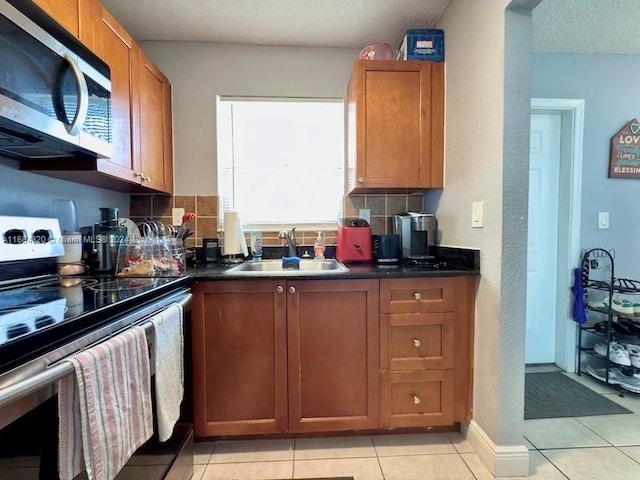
column 624, row 161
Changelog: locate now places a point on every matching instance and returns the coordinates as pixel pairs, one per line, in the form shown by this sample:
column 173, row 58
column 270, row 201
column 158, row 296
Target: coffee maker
column 101, row 241
column 417, row 231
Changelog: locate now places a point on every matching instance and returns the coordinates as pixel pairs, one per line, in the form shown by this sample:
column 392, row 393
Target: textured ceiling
column 559, row 26
column 323, row 23
column 587, row 26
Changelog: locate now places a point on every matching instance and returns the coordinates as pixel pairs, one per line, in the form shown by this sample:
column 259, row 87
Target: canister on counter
column 210, row 251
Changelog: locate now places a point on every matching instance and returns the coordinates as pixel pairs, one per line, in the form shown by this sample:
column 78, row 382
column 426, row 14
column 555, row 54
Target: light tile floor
column 580, row 448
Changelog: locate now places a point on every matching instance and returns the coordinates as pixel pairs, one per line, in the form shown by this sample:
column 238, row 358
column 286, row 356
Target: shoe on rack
column 619, row 331
column 634, row 354
column 617, row 353
column 628, row 382
column 601, row 374
column 630, row 326
column 621, row 305
column 629, row 300
column 600, row 305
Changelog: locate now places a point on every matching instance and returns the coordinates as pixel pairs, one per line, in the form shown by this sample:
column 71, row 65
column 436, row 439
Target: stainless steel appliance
column 102, row 241
column 45, row 318
column 55, row 95
column 417, row 233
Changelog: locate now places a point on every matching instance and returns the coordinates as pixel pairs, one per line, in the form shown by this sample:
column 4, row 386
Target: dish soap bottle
column 319, row 247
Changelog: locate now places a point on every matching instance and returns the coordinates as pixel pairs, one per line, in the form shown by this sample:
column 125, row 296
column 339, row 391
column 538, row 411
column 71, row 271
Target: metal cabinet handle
column 279, row 289
column 416, row 399
column 292, row 289
column 360, row 179
column 83, row 97
column 143, row 177
column 416, row 343
column 417, row 295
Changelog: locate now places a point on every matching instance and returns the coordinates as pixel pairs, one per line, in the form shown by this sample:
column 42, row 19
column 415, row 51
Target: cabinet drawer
column 417, row 295
column 419, row 341
column 418, row 399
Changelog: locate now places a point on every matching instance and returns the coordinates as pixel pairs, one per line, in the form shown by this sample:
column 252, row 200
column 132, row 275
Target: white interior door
column 542, row 245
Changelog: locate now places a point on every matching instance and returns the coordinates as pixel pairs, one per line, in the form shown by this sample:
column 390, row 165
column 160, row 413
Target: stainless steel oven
column 44, row 319
column 55, row 95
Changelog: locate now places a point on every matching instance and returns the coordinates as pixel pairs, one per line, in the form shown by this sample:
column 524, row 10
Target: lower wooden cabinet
column 239, row 358
column 303, row 356
column 333, row 355
column 426, row 351
column 285, row 356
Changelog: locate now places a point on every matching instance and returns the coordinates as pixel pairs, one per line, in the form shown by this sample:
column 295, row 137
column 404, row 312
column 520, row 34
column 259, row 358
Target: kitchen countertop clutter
column 447, row 262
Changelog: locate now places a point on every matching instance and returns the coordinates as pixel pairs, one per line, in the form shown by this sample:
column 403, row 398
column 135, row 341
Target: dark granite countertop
column 456, row 262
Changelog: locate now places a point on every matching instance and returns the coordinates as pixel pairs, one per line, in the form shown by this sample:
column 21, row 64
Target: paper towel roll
column 234, row 241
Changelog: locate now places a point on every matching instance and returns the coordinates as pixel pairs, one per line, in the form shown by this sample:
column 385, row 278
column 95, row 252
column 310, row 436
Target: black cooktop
column 43, row 314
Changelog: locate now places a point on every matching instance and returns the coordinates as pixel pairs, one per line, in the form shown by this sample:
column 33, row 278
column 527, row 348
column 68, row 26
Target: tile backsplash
column 159, row 208
column 381, row 206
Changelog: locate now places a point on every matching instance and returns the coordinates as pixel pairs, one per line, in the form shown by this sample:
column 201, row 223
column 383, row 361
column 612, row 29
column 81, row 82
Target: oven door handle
column 61, row 368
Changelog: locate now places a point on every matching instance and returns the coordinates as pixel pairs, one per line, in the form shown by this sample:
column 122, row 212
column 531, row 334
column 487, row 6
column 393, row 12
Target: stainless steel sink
column 274, row 267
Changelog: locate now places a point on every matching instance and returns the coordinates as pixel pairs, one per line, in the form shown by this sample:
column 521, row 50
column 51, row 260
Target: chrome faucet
column 290, row 238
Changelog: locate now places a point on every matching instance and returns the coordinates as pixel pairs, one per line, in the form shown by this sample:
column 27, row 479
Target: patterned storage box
column 422, row 44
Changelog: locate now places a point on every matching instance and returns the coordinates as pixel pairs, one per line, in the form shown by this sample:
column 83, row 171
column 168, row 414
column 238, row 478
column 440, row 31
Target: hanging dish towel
column 168, row 352
column 105, row 410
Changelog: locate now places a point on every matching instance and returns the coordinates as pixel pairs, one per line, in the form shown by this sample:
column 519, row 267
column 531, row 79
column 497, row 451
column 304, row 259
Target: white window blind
column 281, row 160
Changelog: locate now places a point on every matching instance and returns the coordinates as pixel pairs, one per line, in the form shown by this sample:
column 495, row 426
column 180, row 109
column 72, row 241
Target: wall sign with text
column 625, row 152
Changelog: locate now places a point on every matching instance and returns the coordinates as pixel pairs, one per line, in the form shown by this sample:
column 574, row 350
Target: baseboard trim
column 502, row 461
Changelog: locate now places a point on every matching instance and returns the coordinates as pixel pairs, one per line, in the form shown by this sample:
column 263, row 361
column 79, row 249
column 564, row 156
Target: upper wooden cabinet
column 117, row 49
column 395, row 126
column 142, row 123
column 155, row 127
column 75, row 16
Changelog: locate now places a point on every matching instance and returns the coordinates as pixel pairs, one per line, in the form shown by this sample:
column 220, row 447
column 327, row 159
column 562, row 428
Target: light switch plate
column 477, row 215
column 603, row 220
column 176, row 216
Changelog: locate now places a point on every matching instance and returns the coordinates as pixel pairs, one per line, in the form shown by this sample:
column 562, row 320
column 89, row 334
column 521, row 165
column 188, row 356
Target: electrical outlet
column 176, row 216
column 365, row 214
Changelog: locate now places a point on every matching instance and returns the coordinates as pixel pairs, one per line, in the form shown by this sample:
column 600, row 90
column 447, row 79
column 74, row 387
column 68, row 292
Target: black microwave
column 55, row 95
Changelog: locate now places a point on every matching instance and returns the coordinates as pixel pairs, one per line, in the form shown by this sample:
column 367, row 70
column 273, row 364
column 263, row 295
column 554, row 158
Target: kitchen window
column 281, row 160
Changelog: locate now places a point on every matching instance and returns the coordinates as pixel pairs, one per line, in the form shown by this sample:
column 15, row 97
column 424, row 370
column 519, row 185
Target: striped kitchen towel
column 105, row 410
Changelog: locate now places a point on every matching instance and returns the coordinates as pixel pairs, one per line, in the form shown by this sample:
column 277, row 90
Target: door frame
column 569, row 209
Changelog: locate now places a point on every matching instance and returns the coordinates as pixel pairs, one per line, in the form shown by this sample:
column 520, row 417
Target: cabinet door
column 239, row 358
column 75, row 16
column 116, row 47
column 333, row 355
column 396, row 126
column 155, row 135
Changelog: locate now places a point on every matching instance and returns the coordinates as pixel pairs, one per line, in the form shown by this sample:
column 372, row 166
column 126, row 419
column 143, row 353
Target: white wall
column 487, row 160
column 200, row 71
